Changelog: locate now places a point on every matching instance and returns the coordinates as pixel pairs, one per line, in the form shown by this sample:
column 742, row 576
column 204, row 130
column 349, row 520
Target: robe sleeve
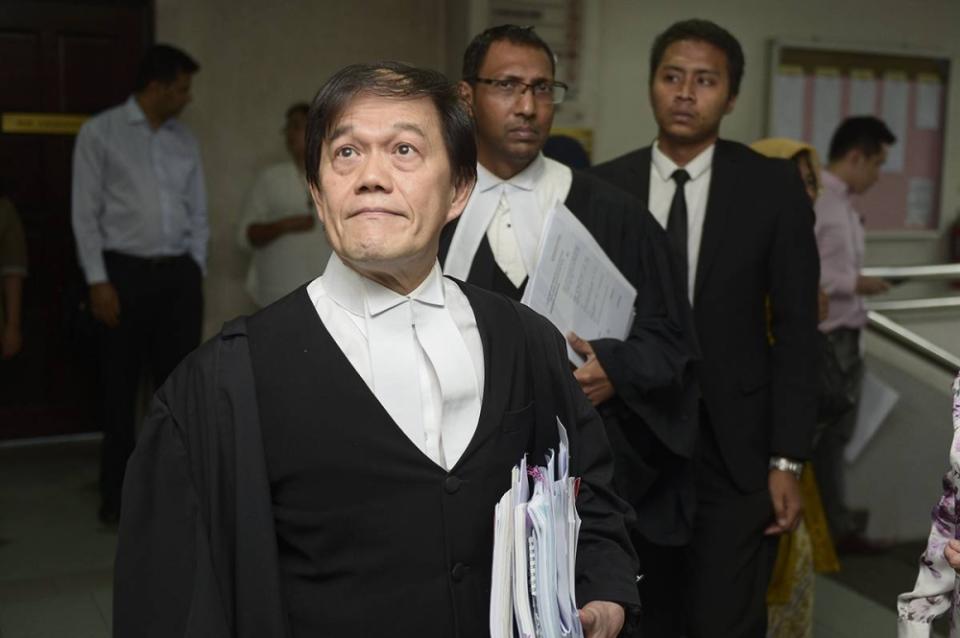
column 165, row 585
column 606, row 562
column 652, row 369
column 794, row 277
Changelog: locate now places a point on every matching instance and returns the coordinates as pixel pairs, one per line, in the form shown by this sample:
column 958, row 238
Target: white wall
column 257, row 58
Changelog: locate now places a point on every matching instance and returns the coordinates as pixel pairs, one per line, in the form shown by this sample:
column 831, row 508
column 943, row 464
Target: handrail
column 913, row 342
column 900, row 273
column 933, row 303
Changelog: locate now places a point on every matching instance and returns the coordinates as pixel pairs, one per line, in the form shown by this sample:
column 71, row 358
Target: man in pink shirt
column 857, row 151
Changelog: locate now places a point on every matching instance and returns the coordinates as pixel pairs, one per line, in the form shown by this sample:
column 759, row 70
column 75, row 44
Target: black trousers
column 662, row 588
column 730, row 560
column 161, row 309
column 828, row 462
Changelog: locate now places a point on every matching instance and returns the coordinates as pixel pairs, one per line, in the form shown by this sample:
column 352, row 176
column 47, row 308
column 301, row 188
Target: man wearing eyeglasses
column 641, row 386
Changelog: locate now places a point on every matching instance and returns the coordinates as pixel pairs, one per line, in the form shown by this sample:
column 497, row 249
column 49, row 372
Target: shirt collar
column 833, row 183
column 135, row 114
column 527, row 179
column 695, row 167
column 353, row 292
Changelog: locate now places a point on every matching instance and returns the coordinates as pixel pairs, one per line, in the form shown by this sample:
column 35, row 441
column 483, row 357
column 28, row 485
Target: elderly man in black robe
column 329, row 466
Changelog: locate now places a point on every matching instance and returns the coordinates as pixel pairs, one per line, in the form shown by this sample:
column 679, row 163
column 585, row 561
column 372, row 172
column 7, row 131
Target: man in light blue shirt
column 140, row 220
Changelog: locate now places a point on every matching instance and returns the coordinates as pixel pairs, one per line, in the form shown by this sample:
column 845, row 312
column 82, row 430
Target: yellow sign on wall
column 42, row 123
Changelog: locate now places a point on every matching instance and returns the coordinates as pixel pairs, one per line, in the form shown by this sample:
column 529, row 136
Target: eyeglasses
column 511, row 88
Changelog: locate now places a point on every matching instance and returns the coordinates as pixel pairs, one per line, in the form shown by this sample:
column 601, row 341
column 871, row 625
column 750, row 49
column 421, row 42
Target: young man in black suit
column 744, row 231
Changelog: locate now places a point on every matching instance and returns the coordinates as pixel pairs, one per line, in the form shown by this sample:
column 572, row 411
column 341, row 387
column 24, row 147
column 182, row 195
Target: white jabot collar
column 535, row 191
column 355, row 293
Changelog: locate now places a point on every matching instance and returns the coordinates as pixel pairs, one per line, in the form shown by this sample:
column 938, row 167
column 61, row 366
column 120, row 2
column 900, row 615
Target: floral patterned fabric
column 938, row 589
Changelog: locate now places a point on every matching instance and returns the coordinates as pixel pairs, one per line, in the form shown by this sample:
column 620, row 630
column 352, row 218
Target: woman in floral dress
column 936, row 591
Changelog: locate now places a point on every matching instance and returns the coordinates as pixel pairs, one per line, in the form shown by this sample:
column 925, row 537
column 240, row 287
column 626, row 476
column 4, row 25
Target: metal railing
column 924, row 348
column 883, row 325
column 902, row 273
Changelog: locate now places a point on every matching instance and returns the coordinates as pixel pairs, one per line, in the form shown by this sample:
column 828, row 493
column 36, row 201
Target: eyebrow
column 675, row 67
column 346, row 129
column 520, row 79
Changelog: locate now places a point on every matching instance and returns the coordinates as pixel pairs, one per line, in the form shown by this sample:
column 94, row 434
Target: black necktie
column 677, row 221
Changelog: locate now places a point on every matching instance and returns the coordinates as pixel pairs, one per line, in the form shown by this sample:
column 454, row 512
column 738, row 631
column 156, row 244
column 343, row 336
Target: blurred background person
column 139, row 215
column 567, row 150
column 858, row 150
column 13, row 270
column 288, row 242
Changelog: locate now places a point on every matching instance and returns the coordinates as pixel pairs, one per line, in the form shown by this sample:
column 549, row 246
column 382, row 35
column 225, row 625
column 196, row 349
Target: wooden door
column 56, row 58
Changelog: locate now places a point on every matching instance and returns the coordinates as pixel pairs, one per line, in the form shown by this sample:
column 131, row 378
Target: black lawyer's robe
column 197, row 553
column 653, row 415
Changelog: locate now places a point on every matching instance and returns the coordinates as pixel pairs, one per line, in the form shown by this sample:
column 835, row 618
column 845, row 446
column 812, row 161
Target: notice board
column 813, row 88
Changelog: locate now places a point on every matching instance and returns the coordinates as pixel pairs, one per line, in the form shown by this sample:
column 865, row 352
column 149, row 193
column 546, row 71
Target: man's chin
column 687, row 135
column 522, row 154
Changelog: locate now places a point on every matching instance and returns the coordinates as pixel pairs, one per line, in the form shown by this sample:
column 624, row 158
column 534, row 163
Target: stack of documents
column 535, row 551
column 576, row 286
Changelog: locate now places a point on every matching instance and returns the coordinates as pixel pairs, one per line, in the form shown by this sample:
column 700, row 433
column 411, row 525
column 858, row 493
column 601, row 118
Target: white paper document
column 576, row 286
column 789, row 91
column 876, row 401
column 863, row 95
column 929, row 98
column 535, row 550
column 826, row 110
column 919, row 202
column 894, row 114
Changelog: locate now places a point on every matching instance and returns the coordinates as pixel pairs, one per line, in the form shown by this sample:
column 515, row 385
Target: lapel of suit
column 717, row 221
column 501, row 347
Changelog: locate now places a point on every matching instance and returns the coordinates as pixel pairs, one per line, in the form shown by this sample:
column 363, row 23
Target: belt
column 157, row 260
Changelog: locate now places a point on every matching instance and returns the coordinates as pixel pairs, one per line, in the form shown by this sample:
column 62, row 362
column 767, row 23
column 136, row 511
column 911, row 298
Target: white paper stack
column 576, row 286
column 535, row 552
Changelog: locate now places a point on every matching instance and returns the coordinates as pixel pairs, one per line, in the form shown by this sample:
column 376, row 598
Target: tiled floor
column 56, row 559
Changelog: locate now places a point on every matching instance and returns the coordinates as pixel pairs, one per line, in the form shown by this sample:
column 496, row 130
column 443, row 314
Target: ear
column 461, row 195
column 465, row 90
column 731, row 102
column 318, row 204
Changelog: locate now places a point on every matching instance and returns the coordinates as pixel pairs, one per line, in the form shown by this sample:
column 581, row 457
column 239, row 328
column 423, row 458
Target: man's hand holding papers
column 576, row 286
column 602, row 619
column 591, row 376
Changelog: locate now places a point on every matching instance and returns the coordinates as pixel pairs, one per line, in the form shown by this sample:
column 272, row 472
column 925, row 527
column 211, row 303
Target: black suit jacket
column 757, row 244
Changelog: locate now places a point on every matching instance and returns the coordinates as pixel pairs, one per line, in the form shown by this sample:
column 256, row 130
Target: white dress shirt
column 292, row 259
column 511, row 213
column 662, row 188
column 137, row 190
column 428, row 378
